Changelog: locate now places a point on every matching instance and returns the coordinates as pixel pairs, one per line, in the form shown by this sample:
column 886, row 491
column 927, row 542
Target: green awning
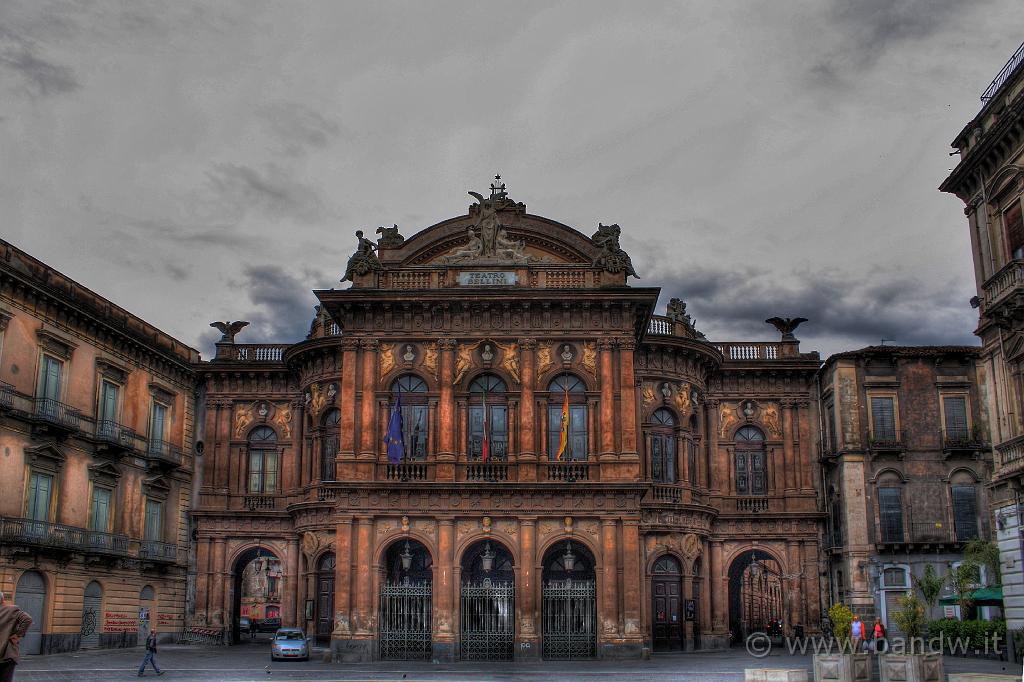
column 986, row 596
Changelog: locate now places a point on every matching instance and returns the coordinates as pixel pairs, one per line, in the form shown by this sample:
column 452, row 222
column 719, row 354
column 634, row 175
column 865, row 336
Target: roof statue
column 364, row 260
column 676, row 311
column 611, row 258
column 488, row 241
column 229, row 329
column 389, row 238
column 786, row 326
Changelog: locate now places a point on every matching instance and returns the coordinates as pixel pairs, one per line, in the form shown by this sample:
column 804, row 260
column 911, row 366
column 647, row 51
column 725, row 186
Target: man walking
column 150, row 654
column 14, row 623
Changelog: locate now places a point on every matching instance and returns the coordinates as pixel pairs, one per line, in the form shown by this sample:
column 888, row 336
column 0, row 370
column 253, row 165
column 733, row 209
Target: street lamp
column 487, row 559
column 569, row 559
column 406, row 557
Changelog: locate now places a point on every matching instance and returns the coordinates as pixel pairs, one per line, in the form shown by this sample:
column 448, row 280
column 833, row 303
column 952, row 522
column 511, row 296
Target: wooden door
column 668, row 617
column 325, row 598
column 30, row 596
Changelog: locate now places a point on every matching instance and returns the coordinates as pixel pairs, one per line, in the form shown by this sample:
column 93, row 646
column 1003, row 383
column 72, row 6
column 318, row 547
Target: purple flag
column 393, row 437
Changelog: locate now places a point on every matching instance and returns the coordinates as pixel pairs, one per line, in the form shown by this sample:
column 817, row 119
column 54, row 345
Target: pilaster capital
column 605, row 344
column 626, row 343
column 447, row 345
column 349, row 344
column 528, row 344
column 368, row 344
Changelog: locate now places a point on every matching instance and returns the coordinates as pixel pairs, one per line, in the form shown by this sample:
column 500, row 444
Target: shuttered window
column 883, row 419
column 965, row 512
column 49, row 378
column 751, row 469
column 99, row 512
column 955, row 411
column 1013, row 222
column 890, row 514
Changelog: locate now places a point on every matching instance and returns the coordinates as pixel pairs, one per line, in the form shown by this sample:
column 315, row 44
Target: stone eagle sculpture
column 786, row 325
column 229, row 329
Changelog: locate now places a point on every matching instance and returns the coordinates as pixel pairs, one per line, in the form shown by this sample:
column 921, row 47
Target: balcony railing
column 568, row 472
column 113, row 434
column 886, row 441
column 751, row 505
column 1011, row 456
column 999, row 286
column 666, row 494
column 324, row 494
column 961, row 440
column 757, row 350
column 898, row 531
column 55, row 413
column 106, row 543
column 6, row 396
column 254, row 502
column 154, row 550
column 163, row 451
column 1004, row 74
column 253, row 352
column 491, row 471
column 406, row 471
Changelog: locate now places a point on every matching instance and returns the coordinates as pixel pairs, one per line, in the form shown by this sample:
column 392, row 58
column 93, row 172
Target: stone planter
column 911, row 667
column 775, row 675
column 842, row 668
column 982, row 677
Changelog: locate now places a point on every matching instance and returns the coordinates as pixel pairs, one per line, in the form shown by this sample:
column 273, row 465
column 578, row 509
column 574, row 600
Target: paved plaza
column 252, row 662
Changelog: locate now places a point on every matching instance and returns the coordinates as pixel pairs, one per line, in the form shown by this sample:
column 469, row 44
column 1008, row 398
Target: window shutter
column 1014, row 223
column 883, row 419
column 890, row 512
column 965, row 512
column 955, row 410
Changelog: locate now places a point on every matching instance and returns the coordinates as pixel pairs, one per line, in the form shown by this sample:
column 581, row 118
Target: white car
column 289, row 643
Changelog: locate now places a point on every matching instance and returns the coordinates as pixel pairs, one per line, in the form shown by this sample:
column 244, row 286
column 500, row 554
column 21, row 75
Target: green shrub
column 841, row 617
column 910, row 617
column 976, row 633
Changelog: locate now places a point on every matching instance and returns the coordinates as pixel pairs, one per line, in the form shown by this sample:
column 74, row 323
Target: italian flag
column 563, row 441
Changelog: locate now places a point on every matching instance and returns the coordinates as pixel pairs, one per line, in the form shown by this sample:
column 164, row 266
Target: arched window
column 263, row 462
column 415, row 429
column 572, row 387
column 329, row 443
column 487, row 399
column 751, row 465
column 662, row 437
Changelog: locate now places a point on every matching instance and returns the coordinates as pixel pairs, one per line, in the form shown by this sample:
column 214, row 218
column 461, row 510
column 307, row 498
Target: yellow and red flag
column 563, row 440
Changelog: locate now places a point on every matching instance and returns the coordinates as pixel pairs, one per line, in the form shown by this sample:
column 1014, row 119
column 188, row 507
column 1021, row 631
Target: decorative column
column 290, row 589
column 527, row 456
column 368, row 431
column 607, row 424
column 705, row 594
column 716, row 475
column 529, row 642
column 805, row 457
column 342, row 578
column 718, row 589
column 627, row 402
column 446, row 413
column 608, row 613
column 631, row 586
column 217, row 615
column 788, row 436
column 810, row 597
column 793, row 587
column 222, row 447
column 687, row 625
column 204, row 559
column 347, row 407
column 362, row 619
column 303, row 468
column 444, row 592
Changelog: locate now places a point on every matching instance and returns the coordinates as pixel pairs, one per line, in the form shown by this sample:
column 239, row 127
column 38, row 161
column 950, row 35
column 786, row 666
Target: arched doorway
column 325, row 597
column 487, row 610
column 147, row 602
column 755, row 594
column 569, row 603
column 92, row 607
column 666, row 611
column 256, row 594
column 406, row 602
column 30, row 596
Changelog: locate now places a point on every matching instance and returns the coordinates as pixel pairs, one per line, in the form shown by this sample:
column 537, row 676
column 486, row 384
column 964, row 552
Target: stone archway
column 569, row 605
column 487, row 610
column 405, row 622
column 257, row 577
column 755, row 594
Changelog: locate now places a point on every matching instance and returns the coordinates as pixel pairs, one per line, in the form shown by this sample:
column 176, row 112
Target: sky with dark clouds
column 211, row 161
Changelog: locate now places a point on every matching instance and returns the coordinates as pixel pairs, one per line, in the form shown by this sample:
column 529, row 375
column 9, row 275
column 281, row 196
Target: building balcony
column 889, row 441
column 56, row 536
column 919, row 535
column 255, row 502
column 492, row 471
column 54, row 415
column 6, row 397
column 106, row 543
column 113, row 437
column 751, row 505
column 962, row 442
column 1011, row 457
column 1001, row 293
column 160, row 552
column 566, row 472
column 408, row 471
column 163, row 452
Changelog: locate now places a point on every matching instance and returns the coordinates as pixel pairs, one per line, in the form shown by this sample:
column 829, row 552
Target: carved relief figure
column 682, row 399
column 387, row 358
column 648, row 394
column 691, row 545
column 589, row 359
column 317, row 401
column 544, row 359
column 364, row 260
column 510, row 360
column 488, row 239
column 389, row 238
column 283, row 419
column 310, row 544
column 471, row 251
column 463, row 361
column 728, row 417
column 770, row 418
column 243, row 419
column 430, row 360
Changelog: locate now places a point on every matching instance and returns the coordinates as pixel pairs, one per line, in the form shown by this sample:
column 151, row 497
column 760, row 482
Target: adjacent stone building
column 96, row 414
column 677, row 508
column 906, row 460
column 989, row 179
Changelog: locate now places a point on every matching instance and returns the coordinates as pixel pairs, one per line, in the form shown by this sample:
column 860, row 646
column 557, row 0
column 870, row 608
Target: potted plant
column 841, row 663
column 911, row 662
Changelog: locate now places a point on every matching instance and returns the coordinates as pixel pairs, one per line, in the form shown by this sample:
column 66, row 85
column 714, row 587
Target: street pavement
column 251, row 661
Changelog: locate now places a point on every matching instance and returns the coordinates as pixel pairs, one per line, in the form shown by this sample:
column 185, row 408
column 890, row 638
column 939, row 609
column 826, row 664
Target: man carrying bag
column 14, row 623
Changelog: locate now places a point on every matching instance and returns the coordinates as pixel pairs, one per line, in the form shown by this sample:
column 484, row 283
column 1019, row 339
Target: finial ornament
column 498, row 188
column 229, row 329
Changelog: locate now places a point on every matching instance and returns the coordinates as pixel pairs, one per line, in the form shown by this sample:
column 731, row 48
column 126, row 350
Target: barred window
column 263, row 460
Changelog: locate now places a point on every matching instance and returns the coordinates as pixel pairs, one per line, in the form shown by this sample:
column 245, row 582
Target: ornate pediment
column 46, row 456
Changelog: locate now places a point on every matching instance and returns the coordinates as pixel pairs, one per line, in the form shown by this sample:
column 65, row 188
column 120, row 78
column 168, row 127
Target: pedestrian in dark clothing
column 252, row 628
column 14, row 624
column 150, row 654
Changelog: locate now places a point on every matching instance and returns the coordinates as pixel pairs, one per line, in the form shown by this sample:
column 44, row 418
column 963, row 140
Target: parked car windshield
column 290, row 635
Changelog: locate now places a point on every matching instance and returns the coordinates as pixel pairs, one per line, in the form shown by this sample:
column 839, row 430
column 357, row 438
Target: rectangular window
column 40, row 493
column 158, row 422
column 1013, row 223
column 328, row 453
column 107, row 413
column 154, row 520
column 262, row 471
column 99, row 510
column 663, row 458
column 691, row 462
column 883, row 419
column 50, row 377
column 576, row 449
column 954, row 410
column 965, row 512
column 414, row 431
column 890, row 514
column 497, row 428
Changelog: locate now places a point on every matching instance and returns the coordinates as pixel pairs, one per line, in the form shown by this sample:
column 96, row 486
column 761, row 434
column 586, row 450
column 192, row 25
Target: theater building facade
column 681, row 513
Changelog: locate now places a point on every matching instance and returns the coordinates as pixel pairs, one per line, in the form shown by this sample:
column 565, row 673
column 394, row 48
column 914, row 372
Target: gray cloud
column 241, row 189
column 298, row 128
column 283, row 304
column 38, row 76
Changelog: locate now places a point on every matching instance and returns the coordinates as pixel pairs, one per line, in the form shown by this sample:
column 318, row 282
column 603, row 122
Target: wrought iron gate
column 488, row 621
column 569, row 616
column 405, row 621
